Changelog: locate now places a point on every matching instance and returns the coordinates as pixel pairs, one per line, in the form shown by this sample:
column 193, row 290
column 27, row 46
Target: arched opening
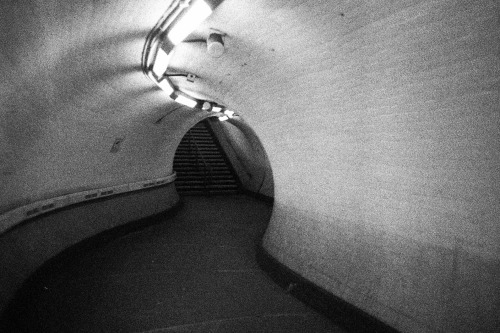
column 223, row 157
column 201, row 165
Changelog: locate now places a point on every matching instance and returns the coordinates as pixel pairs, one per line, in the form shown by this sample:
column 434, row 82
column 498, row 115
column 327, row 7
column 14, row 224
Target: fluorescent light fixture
column 194, row 15
column 223, row 118
column 161, row 62
column 216, row 109
column 165, row 85
column 228, row 113
column 186, row 101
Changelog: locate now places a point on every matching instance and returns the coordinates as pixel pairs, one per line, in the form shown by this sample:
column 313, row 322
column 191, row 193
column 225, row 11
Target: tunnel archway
column 223, row 157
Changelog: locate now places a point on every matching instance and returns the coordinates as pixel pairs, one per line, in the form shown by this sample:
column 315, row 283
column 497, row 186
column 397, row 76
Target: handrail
column 207, row 169
column 11, row 218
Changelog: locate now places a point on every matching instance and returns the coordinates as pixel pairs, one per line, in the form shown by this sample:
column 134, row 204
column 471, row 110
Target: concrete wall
column 246, row 154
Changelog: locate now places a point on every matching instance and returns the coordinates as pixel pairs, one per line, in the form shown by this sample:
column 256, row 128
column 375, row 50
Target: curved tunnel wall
column 71, row 86
column 381, row 122
column 380, row 119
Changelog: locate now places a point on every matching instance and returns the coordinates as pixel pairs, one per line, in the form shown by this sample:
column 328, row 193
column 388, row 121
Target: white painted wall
column 29, row 245
column 381, row 120
column 72, row 84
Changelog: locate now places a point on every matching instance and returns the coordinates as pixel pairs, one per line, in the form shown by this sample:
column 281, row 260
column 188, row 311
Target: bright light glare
column 161, row 62
column 228, row 113
column 223, row 118
column 165, row 85
column 195, row 14
column 216, row 109
column 186, row 101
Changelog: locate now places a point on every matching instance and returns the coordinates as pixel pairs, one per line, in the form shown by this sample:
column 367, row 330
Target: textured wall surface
column 382, row 123
column 381, row 120
column 71, row 85
column 26, row 247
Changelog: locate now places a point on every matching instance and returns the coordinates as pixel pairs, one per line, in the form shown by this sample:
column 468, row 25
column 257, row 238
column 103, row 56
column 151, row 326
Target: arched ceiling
column 72, row 84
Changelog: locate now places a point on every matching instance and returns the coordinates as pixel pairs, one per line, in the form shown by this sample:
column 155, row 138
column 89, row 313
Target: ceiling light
column 195, row 14
column 228, row 113
column 165, row 85
column 161, row 62
column 223, row 118
column 216, row 108
column 186, row 101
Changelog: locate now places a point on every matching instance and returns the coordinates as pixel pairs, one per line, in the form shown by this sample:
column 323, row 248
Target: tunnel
column 364, row 137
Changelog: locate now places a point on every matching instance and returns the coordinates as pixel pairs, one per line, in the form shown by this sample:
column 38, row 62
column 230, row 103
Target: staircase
column 201, row 166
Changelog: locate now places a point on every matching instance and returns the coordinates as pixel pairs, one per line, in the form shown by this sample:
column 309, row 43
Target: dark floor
column 194, row 273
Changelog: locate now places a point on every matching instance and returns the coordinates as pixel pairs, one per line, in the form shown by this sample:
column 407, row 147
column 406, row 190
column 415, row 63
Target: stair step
column 210, row 157
column 186, row 168
column 197, row 138
column 209, row 187
column 201, row 177
column 204, row 153
column 192, row 150
column 202, row 182
column 202, row 144
column 197, row 172
column 201, row 173
column 211, row 193
column 200, row 164
column 201, row 167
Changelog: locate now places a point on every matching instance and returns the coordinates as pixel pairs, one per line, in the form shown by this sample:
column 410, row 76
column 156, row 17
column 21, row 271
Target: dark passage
column 196, row 272
column 201, row 166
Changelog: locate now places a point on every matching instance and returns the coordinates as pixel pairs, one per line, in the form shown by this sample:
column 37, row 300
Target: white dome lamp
column 215, row 45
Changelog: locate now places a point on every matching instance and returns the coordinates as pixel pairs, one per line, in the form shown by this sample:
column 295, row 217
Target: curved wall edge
column 26, row 247
column 335, row 308
column 344, row 308
column 17, row 215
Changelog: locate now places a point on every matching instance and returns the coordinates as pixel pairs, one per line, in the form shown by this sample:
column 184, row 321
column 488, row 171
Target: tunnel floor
column 196, row 272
